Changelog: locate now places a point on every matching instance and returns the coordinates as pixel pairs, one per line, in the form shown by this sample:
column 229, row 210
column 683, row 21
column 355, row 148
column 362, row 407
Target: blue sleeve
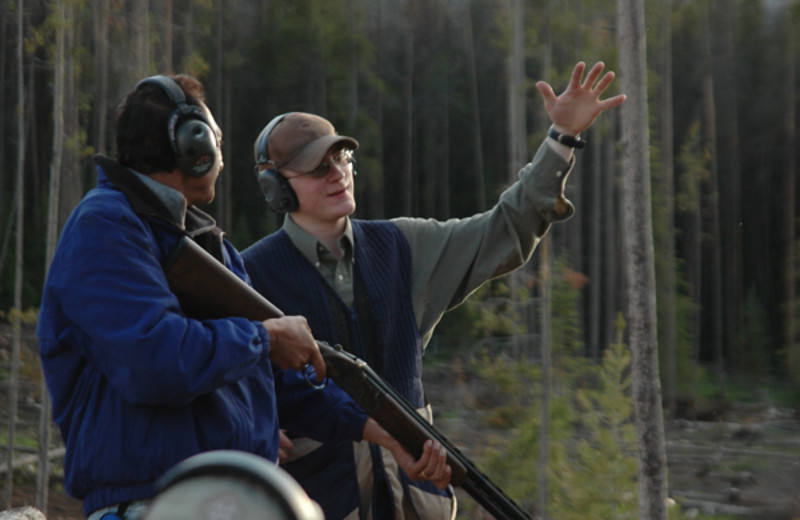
column 327, row 414
column 120, row 314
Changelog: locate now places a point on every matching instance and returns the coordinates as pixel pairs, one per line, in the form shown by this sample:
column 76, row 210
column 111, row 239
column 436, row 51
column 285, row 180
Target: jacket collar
column 152, row 199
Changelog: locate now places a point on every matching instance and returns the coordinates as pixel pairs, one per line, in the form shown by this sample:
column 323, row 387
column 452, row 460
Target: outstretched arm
column 578, row 106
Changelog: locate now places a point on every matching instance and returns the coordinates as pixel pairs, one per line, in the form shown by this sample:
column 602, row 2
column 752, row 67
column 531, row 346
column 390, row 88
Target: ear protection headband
column 191, row 137
column 270, row 480
column 276, row 189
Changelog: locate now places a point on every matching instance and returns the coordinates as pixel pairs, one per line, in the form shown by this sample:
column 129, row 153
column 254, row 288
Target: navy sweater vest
column 383, row 264
column 382, row 284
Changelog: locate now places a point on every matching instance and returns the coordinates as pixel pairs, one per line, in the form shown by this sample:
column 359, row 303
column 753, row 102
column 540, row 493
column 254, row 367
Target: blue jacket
column 137, row 386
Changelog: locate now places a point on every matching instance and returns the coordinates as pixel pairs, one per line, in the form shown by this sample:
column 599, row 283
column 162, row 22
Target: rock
column 22, row 513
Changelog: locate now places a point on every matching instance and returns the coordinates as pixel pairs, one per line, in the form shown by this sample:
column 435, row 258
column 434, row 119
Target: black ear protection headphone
column 276, row 189
column 193, row 141
column 270, row 480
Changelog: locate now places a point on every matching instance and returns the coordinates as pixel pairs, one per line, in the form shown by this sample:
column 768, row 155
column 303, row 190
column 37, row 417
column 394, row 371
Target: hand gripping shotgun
column 206, row 289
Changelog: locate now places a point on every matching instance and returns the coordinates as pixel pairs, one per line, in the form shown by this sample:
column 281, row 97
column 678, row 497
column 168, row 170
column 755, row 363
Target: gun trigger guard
column 307, row 371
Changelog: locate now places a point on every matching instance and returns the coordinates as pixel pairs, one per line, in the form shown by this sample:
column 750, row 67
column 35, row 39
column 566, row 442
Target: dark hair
column 141, row 124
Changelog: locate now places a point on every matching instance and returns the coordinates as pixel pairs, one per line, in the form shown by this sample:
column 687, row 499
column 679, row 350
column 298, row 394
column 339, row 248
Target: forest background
column 440, row 95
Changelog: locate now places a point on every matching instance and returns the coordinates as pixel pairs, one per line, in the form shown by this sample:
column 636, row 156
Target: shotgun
column 206, row 289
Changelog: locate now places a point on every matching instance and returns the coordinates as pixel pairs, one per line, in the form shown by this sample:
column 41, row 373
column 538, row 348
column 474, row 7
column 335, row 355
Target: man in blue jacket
column 136, row 385
column 380, row 287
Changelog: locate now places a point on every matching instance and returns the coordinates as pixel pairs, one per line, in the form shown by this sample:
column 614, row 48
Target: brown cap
column 299, row 141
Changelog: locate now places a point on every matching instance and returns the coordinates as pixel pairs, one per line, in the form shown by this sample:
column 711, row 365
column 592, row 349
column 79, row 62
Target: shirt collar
column 309, row 245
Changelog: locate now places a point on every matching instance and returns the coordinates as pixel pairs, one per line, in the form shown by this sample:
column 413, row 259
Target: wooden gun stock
column 206, row 289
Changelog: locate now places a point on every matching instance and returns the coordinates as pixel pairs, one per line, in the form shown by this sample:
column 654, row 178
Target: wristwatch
column 567, row 140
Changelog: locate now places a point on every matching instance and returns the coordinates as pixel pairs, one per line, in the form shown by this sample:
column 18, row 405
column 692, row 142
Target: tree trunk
column 373, row 183
column 224, row 202
column 546, row 314
column 443, row 208
column 141, row 38
column 188, row 31
column 53, row 227
column 666, row 285
column 690, row 183
column 226, row 107
column 100, row 12
column 4, row 23
column 729, row 196
column 715, row 271
column 611, row 217
column 595, row 249
column 790, row 164
column 13, row 380
column 168, row 37
column 408, row 125
column 517, row 149
column 638, row 261
column 545, row 317
column 352, row 80
column 72, row 182
column 475, row 110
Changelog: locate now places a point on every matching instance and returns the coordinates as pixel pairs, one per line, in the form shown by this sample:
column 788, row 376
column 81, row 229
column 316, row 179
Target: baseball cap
column 299, row 141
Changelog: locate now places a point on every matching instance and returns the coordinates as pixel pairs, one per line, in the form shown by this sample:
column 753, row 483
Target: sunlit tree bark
column 639, row 262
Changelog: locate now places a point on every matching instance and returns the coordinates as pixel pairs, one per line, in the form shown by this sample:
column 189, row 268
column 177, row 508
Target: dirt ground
column 742, row 463
column 60, row 506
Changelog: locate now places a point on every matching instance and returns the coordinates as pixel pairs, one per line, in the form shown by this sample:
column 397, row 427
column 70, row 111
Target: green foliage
column 512, row 387
column 565, row 294
column 488, row 313
column 570, row 366
column 604, row 444
column 26, row 317
column 591, row 433
column 196, row 65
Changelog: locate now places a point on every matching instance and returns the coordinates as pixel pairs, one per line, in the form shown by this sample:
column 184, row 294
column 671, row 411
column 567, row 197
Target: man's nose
column 336, row 171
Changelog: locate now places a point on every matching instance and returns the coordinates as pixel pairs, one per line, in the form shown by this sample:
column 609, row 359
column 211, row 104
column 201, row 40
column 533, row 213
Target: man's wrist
column 566, row 139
